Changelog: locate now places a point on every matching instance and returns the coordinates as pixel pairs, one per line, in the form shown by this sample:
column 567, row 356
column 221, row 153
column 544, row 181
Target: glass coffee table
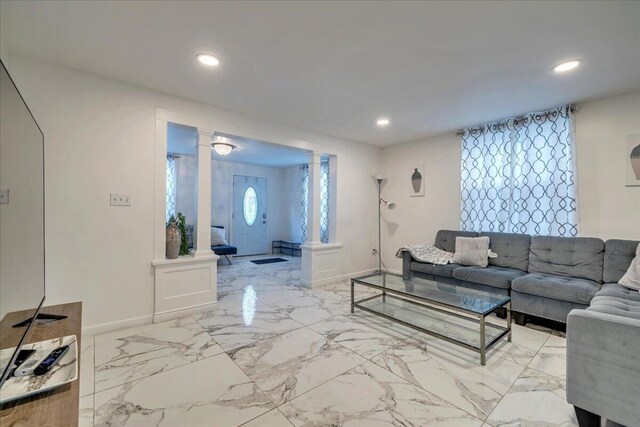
column 453, row 313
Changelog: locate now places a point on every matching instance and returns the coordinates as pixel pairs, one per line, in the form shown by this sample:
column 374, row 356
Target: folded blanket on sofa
column 427, row 253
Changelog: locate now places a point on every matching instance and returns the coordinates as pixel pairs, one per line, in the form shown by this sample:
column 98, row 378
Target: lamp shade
column 379, row 176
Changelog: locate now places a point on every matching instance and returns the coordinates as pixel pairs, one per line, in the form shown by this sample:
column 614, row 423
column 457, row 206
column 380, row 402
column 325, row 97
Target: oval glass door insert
column 250, row 206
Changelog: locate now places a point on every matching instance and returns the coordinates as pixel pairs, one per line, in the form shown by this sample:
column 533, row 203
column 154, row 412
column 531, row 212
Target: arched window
column 250, row 206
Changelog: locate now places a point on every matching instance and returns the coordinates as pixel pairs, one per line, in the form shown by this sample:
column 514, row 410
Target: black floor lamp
column 380, row 177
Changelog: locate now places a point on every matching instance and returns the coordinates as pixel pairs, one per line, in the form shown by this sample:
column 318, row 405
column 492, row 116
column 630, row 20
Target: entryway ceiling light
column 208, row 60
column 221, row 145
column 567, row 66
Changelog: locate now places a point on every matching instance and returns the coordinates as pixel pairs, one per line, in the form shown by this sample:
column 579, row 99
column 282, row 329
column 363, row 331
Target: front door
column 249, row 216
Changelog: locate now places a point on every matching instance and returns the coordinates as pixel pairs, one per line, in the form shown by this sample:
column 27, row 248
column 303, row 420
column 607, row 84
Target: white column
column 313, row 201
column 202, row 245
column 321, row 263
column 186, row 285
column 160, row 192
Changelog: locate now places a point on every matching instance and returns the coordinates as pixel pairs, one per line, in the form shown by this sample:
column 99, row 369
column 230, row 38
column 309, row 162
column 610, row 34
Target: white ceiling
column 182, row 140
column 334, row 67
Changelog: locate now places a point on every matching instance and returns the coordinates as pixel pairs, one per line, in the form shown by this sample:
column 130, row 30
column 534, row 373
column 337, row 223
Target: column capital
column 204, row 135
column 315, row 157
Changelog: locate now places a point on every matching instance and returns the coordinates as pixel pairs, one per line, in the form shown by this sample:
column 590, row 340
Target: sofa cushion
column 618, row 255
column 561, row 288
column 446, row 239
column 615, row 306
column 434, row 269
column 618, row 291
column 224, row 250
column 512, row 250
column 498, row 277
column 579, row 257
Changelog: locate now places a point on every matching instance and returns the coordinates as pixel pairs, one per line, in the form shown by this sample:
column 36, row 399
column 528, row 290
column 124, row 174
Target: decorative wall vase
column 173, row 241
column 635, row 161
column 417, row 181
column 632, row 174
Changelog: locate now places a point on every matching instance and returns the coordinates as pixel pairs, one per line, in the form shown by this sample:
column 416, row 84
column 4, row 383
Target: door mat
column 268, row 260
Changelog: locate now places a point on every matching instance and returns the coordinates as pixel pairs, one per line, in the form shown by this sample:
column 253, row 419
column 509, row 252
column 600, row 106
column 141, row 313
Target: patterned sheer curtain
column 304, row 192
column 324, row 201
column 519, row 175
column 171, row 186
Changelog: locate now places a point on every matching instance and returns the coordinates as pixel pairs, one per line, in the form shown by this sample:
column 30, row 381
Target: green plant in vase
column 184, row 243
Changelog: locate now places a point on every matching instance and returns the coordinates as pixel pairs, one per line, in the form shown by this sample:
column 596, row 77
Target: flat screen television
column 22, row 270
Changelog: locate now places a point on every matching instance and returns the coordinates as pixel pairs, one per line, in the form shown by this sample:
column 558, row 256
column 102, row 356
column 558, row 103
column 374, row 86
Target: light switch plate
column 118, row 199
column 4, row 196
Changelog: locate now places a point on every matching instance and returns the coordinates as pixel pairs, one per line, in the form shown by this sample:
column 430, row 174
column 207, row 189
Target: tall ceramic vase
column 173, row 240
column 416, row 180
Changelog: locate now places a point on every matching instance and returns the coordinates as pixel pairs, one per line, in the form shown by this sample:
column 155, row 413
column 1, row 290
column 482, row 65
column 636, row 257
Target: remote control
column 27, row 366
column 23, row 355
column 51, row 360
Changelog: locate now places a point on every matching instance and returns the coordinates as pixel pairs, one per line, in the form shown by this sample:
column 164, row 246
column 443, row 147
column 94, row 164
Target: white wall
column 222, row 173
column 417, row 219
column 186, row 188
column 100, row 138
column 293, row 204
column 608, row 209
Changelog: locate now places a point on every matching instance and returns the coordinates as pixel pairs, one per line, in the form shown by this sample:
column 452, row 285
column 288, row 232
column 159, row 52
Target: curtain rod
column 573, row 108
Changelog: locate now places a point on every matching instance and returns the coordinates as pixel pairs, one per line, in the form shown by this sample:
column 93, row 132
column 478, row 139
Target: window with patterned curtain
column 519, row 175
column 171, row 186
column 304, row 192
column 324, row 201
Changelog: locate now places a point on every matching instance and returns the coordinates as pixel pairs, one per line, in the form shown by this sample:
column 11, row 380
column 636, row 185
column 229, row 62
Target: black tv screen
column 22, row 264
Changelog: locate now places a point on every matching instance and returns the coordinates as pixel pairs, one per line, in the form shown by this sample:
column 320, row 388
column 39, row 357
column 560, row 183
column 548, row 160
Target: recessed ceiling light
column 208, row 60
column 383, row 121
column 567, row 66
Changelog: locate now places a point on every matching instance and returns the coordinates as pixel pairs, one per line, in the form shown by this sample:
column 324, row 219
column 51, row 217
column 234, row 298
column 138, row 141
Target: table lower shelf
column 447, row 325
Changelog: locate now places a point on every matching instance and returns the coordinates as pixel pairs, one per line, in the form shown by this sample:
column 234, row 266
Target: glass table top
column 471, row 300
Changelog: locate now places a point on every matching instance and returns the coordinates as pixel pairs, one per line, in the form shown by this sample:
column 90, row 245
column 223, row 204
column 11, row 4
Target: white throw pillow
column 472, row 251
column 218, row 237
column 631, row 278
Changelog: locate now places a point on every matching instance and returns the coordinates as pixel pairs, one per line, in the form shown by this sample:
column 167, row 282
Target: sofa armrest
column 603, row 373
column 406, row 264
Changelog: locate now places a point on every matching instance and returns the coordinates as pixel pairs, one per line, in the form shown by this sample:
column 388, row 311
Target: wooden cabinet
column 57, row 407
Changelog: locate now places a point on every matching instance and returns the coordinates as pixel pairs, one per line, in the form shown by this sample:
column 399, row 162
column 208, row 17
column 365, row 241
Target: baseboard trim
column 189, row 311
column 335, row 279
column 183, row 312
column 103, row 328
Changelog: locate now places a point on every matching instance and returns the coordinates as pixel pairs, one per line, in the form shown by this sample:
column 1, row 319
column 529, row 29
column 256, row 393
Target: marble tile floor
column 273, row 353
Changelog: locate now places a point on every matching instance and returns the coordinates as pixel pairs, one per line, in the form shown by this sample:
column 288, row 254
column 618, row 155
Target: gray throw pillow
column 472, row 251
column 631, row 278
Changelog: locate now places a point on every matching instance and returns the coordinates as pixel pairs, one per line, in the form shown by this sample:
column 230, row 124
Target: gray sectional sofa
column 546, row 276
column 550, row 277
